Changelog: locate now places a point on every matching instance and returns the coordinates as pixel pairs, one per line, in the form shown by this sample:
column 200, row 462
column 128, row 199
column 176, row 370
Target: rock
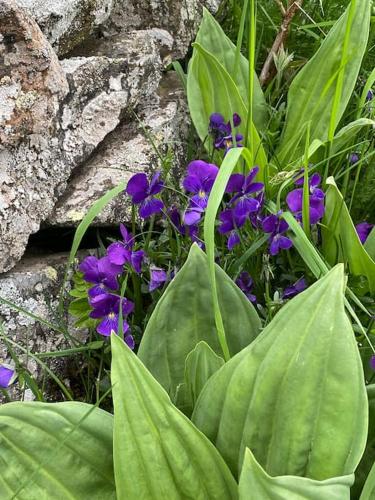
column 34, row 285
column 67, row 23
column 43, row 134
column 127, row 151
column 103, row 87
column 180, row 18
column 32, row 85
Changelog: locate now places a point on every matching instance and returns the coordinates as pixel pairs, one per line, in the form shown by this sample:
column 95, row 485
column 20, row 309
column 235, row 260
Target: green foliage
column 184, row 316
column 276, row 396
column 368, row 458
column 200, row 364
column 368, row 492
column 210, row 88
column 80, row 307
column 158, row 452
column 322, row 89
column 213, row 39
column 256, row 484
column 340, row 239
column 59, row 450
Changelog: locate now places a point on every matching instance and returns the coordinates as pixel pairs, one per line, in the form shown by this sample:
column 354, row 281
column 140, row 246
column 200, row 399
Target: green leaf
column 56, row 450
column 200, row 364
column 158, row 452
column 312, row 96
column 368, row 458
column 340, row 239
column 213, row 39
column 370, row 244
column 283, row 395
column 184, row 316
column 347, row 134
column 256, row 484
column 210, row 88
column 368, row 492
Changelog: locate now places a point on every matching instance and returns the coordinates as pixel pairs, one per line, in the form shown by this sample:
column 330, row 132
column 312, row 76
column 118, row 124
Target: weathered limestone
column 34, row 285
column 67, row 23
column 55, row 115
column 180, row 18
column 126, row 151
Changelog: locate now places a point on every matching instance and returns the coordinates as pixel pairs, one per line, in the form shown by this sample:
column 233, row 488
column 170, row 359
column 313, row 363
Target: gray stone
column 67, row 23
column 43, row 134
column 180, row 18
column 34, row 285
column 126, row 151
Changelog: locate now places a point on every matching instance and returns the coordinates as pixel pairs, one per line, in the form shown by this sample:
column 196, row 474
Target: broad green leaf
column 200, row 364
column 283, row 395
column 370, row 244
column 184, row 316
column 256, row 484
column 158, row 452
column 312, row 95
column 213, row 39
column 340, row 239
column 210, row 88
column 56, row 450
column 368, row 492
column 368, row 457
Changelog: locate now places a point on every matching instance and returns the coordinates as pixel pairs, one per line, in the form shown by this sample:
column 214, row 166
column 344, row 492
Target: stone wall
column 80, row 81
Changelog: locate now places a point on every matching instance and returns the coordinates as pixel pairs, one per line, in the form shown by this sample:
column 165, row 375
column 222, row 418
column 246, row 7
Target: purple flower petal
column 236, row 120
column 270, row 223
column 216, row 120
column 235, row 183
column 233, row 240
column 129, row 341
column 138, row 187
column 156, row 185
column 151, row 206
column 118, row 254
column 136, row 260
column 127, row 237
column 96, row 290
column 363, row 230
column 110, row 325
column 157, row 277
column 192, row 216
column 227, row 221
column 89, row 268
column 285, row 243
column 372, row 362
column 294, row 200
column 6, row 375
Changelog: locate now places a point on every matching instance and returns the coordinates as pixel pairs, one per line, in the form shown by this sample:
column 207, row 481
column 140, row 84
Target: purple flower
column 186, row 230
column 7, row 376
column 294, row 199
column 353, row 158
column 199, row 181
column 102, row 272
column 292, row 290
column 369, row 95
column 229, row 225
column 363, row 230
column 246, row 284
column 244, row 187
column 276, row 227
column 372, row 362
column 121, row 252
column 107, row 308
column 222, row 131
column 157, row 277
column 143, row 193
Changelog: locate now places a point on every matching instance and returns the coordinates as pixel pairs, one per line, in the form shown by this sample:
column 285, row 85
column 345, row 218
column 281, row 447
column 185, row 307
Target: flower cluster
column 222, row 132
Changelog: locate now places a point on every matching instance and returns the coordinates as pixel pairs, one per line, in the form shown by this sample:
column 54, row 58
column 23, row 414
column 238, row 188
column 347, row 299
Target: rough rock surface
column 126, row 151
column 180, row 18
column 44, row 135
column 34, row 285
column 67, row 23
